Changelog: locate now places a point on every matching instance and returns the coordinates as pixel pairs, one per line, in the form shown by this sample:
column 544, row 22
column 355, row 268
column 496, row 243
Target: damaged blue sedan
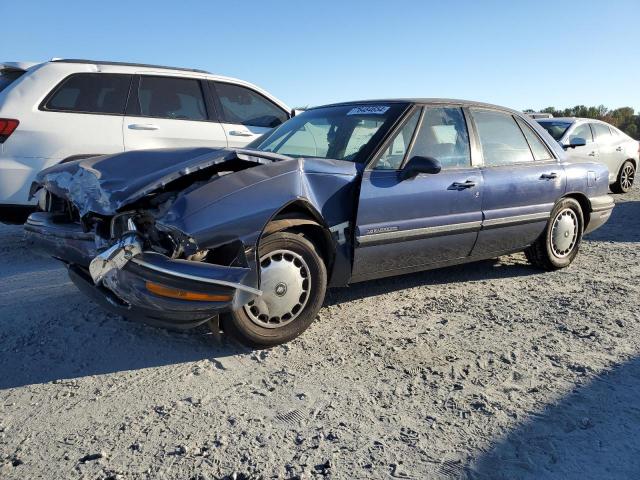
column 336, row 195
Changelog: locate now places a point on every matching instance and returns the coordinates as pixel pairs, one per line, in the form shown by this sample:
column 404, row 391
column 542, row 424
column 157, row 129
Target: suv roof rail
column 125, row 64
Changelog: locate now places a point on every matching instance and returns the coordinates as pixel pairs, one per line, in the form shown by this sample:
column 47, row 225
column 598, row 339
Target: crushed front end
column 134, row 265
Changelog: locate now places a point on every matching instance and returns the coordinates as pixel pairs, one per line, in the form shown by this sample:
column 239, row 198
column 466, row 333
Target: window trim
column 213, row 86
column 43, row 105
column 464, row 117
column 133, row 103
column 507, row 113
column 402, row 121
column 518, row 122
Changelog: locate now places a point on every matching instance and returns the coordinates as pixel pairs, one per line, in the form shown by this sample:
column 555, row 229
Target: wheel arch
column 585, row 205
column 300, row 216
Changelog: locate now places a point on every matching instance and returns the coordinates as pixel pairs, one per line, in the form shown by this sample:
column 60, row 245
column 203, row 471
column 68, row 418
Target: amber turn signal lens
column 164, row 291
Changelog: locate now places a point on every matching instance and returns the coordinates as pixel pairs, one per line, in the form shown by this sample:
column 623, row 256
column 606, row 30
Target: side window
column 91, row 93
column 393, row 156
column 243, row 106
column 539, row 149
column 443, row 135
column 171, row 97
column 502, row 141
column 582, row 131
column 601, row 132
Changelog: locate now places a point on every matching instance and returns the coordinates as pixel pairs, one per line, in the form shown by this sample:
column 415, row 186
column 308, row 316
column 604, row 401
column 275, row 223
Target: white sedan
column 589, row 139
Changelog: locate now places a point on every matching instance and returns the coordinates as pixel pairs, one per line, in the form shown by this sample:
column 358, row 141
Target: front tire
column 293, row 282
column 558, row 245
column 626, row 176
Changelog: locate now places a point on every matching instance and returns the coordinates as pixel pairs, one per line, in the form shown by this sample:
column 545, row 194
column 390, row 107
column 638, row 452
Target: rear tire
column 294, row 283
column 559, row 243
column 625, row 179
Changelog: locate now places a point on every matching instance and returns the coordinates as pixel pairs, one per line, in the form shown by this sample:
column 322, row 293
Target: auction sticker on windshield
column 368, row 110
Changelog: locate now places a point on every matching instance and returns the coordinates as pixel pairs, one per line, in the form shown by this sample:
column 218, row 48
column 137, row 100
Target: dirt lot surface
column 486, row 371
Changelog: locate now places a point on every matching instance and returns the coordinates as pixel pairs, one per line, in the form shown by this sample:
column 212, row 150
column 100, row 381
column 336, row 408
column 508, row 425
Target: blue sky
column 515, row 53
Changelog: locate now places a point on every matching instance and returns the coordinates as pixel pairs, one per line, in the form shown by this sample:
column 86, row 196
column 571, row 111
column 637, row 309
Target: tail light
column 7, row 127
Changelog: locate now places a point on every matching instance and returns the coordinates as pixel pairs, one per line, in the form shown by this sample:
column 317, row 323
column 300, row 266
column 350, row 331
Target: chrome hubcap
column 564, row 233
column 627, row 177
column 285, row 284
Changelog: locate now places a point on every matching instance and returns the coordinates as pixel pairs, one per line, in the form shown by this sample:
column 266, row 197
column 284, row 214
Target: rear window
column 91, row 93
column 171, row 97
column 7, row 77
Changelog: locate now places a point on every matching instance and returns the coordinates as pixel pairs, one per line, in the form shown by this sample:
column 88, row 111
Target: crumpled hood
column 106, row 183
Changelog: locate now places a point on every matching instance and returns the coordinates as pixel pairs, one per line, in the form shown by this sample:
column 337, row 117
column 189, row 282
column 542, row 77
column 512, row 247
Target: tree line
column 624, row 118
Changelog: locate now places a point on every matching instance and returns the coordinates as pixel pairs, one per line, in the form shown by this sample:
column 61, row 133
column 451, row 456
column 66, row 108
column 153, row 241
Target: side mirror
column 575, row 142
column 419, row 164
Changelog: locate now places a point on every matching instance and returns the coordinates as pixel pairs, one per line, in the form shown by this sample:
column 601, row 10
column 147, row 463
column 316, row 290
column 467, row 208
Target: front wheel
column 293, row 280
column 559, row 243
column 625, row 179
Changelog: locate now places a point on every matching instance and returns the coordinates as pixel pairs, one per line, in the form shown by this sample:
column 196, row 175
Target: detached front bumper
column 126, row 289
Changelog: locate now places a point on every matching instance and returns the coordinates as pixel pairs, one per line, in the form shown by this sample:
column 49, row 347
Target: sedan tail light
column 7, row 127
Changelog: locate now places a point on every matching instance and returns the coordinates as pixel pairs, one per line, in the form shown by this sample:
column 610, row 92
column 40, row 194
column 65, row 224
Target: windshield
column 8, row 76
column 556, row 129
column 343, row 132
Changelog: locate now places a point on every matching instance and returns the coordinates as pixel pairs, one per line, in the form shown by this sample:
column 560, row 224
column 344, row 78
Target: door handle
column 240, row 133
column 592, row 154
column 461, row 185
column 619, row 149
column 143, row 126
column 548, row 176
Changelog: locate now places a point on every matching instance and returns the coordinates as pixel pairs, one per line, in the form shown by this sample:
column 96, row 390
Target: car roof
column 422, row 101
column 126, row 64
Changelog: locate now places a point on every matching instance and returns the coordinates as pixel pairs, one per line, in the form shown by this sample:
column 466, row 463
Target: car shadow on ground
column 623, row 226
column 591, row 433
column 470, row 272
column 82, row 340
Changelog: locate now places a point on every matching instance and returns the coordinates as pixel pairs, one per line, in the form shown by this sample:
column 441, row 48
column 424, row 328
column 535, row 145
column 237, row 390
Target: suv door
column 522, row 181
column 169, row 112
column 407, row 225
column 245, row 114
column 81, row 116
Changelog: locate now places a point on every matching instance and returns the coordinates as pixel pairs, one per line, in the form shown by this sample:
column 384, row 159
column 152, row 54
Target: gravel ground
column 485, row 371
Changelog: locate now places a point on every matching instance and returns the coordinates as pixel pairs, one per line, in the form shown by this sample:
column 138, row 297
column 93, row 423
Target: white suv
column 63, row 110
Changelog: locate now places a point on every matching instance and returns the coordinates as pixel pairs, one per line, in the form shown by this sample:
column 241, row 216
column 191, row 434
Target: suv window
column 502, row 141
column 443, row 135
column 601, row 131
column 8, row 76
column 91, row 93
column 582, row 131
column 171, row 97
column 243, row 106
column 538, row 148
column 393, row 156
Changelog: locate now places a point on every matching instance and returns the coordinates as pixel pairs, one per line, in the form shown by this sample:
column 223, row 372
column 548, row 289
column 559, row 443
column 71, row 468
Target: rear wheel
column 293, row 280
column 626, row 176
column 559, row 243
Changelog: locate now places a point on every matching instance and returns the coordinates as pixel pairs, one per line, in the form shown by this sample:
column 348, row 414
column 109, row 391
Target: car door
column 522, row 181
column 611, row 153
column 587, row 153
column 245, row 113
column 408, row 225
column 170, row 112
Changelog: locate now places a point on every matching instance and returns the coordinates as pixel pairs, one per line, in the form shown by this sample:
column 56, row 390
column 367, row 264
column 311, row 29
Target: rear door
column 170, row 112
column 244, row 113
column 407, row 225
column 612, row 153
column 522, row 181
